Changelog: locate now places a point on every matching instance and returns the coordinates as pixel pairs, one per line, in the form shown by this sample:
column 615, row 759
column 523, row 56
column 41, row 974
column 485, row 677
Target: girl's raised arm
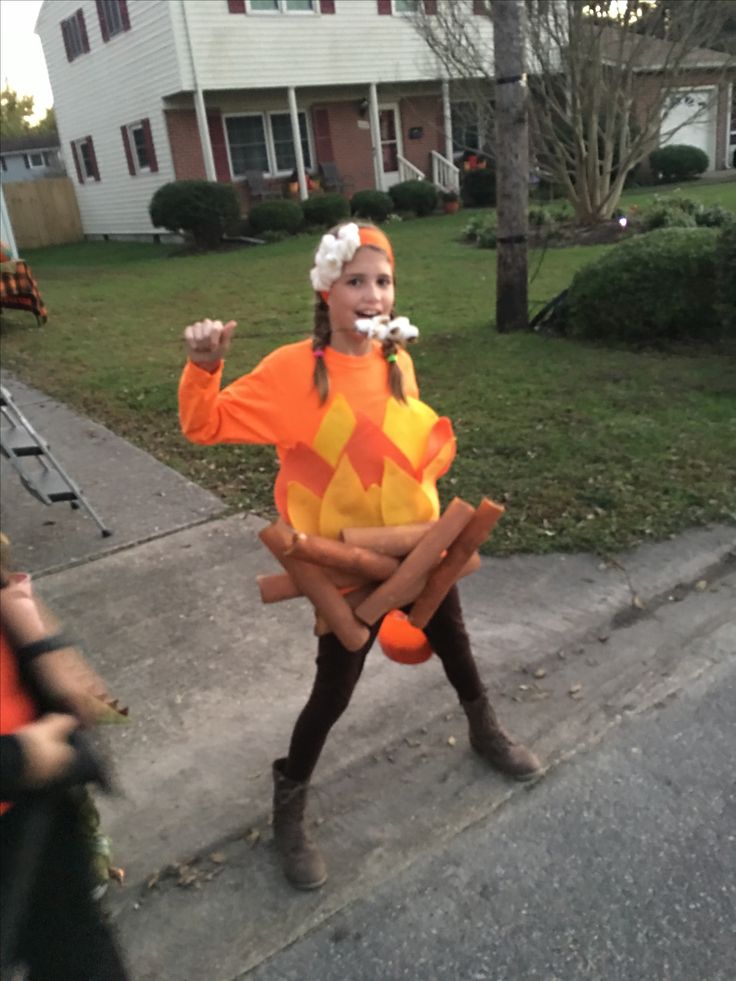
column 208, row 342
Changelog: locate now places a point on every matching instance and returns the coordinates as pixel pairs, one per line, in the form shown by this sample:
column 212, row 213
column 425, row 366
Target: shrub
column 199, row 209
column 715, row 216
column 417, row 196
column 481, row 229
column 325, row 209
column 276, row 216
column 726, row 278
column 678, row 162
column 669, row 211
column 478, row 188
column 375, row 205
column 539, row 216
column 649, row 291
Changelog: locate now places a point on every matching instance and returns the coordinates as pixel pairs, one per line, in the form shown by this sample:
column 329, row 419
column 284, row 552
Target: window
column 406, row 6
column 264, row 143
column 465, row 128
column 283, row 144
column 138, row 146
column 282, row 6
column 113, row 15
column 3, row 163
column 74, row 34
column 85, row 160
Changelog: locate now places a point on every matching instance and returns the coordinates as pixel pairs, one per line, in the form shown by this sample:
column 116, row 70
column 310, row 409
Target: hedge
column 649, row 291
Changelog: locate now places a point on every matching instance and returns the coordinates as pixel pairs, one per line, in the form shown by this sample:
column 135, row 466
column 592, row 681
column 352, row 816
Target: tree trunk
column 512, row 165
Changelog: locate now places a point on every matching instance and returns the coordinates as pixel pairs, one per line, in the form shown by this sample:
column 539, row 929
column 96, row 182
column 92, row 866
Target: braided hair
column 322, row 334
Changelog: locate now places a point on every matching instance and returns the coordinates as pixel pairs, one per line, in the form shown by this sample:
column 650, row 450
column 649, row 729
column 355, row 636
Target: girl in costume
column 356, row 449
column 49, row 920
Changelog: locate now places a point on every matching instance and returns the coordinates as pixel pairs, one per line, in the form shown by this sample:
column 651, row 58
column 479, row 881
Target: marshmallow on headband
column 335, row 250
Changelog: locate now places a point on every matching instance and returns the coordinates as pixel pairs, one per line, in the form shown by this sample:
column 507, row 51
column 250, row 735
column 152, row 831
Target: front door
column 390, row 127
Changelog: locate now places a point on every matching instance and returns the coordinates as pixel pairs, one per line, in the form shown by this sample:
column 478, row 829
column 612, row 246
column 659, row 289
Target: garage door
column 699, row 131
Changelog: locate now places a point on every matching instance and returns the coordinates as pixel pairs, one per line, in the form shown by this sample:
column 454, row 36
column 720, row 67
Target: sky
column 22, row 64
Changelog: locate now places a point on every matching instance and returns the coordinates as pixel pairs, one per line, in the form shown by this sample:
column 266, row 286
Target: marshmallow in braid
column 399, row 329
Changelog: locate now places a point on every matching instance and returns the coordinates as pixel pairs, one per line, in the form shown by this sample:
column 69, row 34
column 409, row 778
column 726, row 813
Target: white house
column 30, row 157
column 149, row 91
column 253, row 91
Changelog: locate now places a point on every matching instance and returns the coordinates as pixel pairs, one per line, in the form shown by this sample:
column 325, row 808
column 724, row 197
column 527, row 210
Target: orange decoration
column 401, row 642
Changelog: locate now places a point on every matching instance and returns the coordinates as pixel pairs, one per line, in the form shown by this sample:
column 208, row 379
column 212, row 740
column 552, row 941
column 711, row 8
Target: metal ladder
column 47, row 480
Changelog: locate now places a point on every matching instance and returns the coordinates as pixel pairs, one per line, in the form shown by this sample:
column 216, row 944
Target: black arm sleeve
column 11, row 767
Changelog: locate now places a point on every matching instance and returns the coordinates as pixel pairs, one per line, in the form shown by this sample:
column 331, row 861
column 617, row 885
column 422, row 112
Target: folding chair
column 333, row 181
column 257, row 186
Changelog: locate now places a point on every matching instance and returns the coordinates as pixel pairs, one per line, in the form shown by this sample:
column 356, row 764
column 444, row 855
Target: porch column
column 375, row 136
column 296, row 137
column 199, row 107
column 204, row 135
column 447, row 119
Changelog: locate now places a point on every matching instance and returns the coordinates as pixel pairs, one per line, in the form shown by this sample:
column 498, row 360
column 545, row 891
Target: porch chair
column 258, row 188
column 332, row 180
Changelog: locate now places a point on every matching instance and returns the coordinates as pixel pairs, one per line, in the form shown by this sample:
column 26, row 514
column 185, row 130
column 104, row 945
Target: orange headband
column 375, row 237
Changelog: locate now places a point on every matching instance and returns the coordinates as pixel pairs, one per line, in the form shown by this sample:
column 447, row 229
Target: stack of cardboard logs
column 354, row 581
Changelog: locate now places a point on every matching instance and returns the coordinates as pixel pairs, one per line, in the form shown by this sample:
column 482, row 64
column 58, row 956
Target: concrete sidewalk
column 169, row 612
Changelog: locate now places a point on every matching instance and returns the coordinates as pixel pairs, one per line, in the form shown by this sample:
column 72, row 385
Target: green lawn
column 589, row 448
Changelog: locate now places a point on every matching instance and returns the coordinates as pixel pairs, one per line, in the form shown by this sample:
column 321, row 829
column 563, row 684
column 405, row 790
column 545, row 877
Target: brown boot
column 302, row 863
column 489, row 740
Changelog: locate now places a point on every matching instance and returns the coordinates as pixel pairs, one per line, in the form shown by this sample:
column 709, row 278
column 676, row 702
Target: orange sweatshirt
column 362, row 458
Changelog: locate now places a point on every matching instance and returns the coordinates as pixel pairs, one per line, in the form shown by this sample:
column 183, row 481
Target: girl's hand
column 47, row 754
column 208, row 342
column 70, row 682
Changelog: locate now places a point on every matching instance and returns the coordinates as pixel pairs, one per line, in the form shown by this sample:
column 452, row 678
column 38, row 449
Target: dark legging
column 338, row 671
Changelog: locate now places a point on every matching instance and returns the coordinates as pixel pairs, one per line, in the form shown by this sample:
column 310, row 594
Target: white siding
column 353, row 45
column 115, row 83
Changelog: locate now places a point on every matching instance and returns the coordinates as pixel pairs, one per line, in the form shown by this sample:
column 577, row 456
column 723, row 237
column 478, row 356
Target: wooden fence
column 43, row 212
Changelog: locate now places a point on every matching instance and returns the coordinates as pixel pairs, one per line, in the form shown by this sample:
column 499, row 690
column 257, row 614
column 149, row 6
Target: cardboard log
column 451, row 568
column 278, row 586
column 354, row 598
column 314, row 583
column 400, row 588
column 395, row 540
column 338, row 555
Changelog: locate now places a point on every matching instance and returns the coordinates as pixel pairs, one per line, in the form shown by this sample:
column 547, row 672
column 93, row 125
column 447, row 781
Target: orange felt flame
column 402, row 642
column 359, row 474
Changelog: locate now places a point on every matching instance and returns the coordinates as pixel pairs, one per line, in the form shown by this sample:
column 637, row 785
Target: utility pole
column 512, row 164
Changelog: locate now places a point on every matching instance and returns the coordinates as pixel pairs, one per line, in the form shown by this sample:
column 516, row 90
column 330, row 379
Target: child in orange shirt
column 342, row 409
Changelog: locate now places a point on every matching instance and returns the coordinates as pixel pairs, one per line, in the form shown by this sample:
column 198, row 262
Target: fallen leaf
column 451, row 740
column 217, row 857
column 540, row 673
column 701, row 585
column 574, row 689
column 252, row 835
column 638, row 602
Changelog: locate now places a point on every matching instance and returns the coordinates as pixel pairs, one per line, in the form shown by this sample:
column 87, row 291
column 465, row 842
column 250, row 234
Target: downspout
column 297, row 138
column 376, row 136
column 199, row 106
column 447, row 119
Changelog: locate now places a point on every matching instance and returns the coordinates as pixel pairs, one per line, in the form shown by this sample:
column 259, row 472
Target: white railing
column 445, row 174
column 408, row 172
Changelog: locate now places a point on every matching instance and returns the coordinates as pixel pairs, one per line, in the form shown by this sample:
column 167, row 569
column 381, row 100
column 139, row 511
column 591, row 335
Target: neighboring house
column 150, row 91
column 27, row 158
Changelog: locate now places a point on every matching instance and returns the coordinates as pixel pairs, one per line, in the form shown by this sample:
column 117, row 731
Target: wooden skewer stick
column 450, row 569
column 315, row 584
column 328, row 552
column 399, row 589
column 396, row 540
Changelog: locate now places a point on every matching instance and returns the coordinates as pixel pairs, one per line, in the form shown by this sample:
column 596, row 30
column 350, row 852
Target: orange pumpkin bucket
column 402, row 642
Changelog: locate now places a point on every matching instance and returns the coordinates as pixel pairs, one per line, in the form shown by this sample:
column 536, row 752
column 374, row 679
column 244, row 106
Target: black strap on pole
column 511, row 239
column 509, row 79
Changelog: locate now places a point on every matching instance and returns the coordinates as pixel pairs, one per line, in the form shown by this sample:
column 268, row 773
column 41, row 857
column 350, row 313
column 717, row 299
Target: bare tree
column 602, row 77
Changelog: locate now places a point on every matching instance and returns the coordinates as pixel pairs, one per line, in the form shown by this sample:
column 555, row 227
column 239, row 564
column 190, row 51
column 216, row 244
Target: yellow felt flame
column 346, row 505
column 303, row 508
column 403, row 499
column 334, row 431
column 408, row 426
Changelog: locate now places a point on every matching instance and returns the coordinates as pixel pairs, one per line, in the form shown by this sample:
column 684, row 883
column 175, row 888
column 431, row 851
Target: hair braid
column 320, row 340
column 395, row 375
